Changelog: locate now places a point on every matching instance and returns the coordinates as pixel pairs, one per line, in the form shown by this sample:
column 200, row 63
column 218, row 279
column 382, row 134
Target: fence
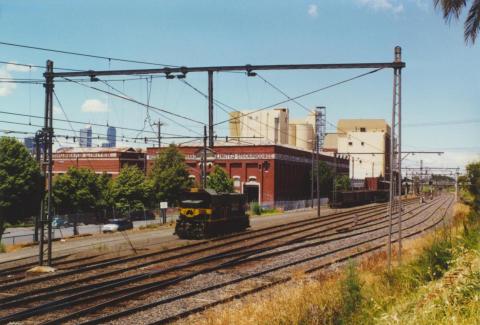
column 292, row 205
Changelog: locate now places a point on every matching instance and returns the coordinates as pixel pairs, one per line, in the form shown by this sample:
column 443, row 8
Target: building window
column 236, row 181
column 350, row 143
column 363, row 143
column 363, row 129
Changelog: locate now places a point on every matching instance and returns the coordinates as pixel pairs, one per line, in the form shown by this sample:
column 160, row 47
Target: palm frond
column 472, row 23
column 450, row 8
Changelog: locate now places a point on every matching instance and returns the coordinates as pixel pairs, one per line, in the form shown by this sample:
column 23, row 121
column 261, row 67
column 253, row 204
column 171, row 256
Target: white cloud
column 312, row 10
column 382, row 5
column 6, row 88
column 57, row 110
column 12, row 67
column 94, row 106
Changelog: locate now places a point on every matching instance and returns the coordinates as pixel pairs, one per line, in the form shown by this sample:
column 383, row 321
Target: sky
column 440, row 84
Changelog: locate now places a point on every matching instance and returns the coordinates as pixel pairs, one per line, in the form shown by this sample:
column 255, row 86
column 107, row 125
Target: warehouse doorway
column 252, row 191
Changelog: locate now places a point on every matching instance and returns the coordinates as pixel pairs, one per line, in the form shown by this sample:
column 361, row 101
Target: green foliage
column 326, row 177
column 169, row 176
column 342, row 183
column 256, row 208
column 473, row 176
column 20, row 182
column 220, row 181
column 351, row 291
column 131, row 191
column 78, row 190
column 2, row 248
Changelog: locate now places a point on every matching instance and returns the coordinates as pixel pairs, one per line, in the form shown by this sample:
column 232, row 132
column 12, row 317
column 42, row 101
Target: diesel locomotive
column 205, row 213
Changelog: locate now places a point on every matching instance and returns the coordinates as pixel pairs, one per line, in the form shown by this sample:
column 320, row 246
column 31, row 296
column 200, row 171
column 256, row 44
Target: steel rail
column 67, row 301
column 136, row 257
column 80, row 313
column 29, row 296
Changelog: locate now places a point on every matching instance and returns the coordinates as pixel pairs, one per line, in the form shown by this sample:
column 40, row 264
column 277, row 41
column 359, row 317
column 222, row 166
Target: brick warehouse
column 266, row 173
column 108, row 160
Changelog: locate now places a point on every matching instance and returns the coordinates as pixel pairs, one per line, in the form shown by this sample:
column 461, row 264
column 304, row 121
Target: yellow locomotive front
column 204, row 212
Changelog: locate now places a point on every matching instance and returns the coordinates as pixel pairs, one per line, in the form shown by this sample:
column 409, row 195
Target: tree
column 77, row 191
column 169, row 175
column 453, row 8
column 20, row 183
column 131, row 191
column 326, row 178
column 220, row 181
column 473, row 176
column 342, row 183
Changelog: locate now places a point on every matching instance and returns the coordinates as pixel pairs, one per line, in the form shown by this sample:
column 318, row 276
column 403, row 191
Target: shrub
column 2, row 248
column 256, row 208
column 351, row 288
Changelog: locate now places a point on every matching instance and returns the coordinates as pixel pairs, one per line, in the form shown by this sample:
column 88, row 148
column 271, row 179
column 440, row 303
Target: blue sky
column 441, row 82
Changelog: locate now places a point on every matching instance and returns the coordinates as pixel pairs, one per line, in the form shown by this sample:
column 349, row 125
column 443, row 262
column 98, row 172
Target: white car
column 114, row 225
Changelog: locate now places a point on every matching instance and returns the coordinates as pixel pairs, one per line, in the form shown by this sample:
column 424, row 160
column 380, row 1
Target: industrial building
column 100, row 160
column 275, row 126
column 266, row 173
column 366, row 142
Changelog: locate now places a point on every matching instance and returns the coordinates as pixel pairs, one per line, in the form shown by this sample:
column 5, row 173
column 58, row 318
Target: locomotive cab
column 204, row 212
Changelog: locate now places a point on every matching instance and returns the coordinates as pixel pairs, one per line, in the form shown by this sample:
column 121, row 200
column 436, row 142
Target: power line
column 125, row 96
column 307, row 109
column 38, row 66
column 135, row 101
column 78, row 122
column 303, row 95
column 85, row 54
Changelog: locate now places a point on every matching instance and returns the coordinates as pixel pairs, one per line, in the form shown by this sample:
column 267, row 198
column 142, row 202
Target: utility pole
column 395, row 153
column 49, row 89
column 159, row 133
column 456, row 186
column 210, row 108
column 38, row 137
column 317, row 147
column 204, row 158
column 313, row 170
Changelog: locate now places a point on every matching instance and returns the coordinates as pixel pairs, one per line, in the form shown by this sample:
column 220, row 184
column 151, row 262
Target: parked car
column 59, row 221
column 117, row 225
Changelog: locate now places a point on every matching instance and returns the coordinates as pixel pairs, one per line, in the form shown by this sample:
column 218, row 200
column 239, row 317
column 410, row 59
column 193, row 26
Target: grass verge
column 438, row 282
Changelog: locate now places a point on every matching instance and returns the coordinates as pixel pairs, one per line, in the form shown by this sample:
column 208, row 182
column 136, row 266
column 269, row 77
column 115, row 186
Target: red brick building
column 108, row 160
column 266, row 173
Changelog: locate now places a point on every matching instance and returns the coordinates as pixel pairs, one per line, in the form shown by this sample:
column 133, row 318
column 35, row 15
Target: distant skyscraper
column 30, row 144
column 111, row 137
column 86, row 137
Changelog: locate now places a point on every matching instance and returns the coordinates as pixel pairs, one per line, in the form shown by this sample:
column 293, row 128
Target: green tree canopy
column 326, row 178
column 169, row 175
column 131, row 191
column 77, row 190
column 473, row 176
column 220, row 181
column 20, row 183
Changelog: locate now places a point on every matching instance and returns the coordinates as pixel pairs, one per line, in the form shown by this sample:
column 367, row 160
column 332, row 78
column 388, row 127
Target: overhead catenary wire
column 81, row 122
column 127, row 98
column 124, row 95
column 95, row 56
column 304, row 95
column 309, row 110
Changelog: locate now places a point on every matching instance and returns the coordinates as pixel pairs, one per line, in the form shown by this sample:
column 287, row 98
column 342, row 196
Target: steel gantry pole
column 210, row 108
column 49, row 147
column 394, row 154
column 398, row 98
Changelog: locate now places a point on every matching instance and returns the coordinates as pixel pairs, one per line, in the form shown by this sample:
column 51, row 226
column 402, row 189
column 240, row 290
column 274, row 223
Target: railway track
column 127, row 288
column 338, row 259
column 15, row 274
